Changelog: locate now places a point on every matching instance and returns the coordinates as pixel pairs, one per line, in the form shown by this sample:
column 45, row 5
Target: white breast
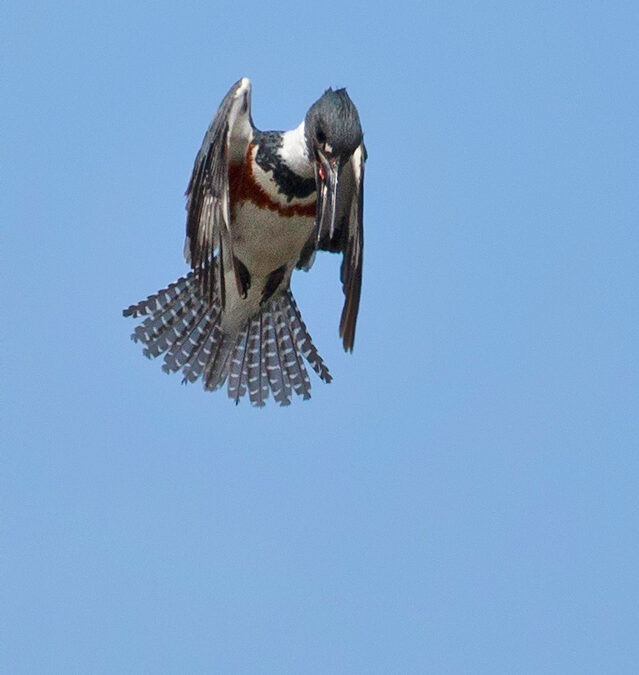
column 265, row 240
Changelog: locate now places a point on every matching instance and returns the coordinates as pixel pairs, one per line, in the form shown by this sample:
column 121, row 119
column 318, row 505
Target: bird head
column 333, row 133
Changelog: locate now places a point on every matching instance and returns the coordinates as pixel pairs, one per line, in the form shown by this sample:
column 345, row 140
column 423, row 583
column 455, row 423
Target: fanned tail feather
column 183, row 322
column 303, row 339
column 293, row 364
column 159, row 322
column 256, row 375
column 175, row 333
column 181, row 351
column 236, row 388
column 275, row 371
column 195, row 366
column 154, row 302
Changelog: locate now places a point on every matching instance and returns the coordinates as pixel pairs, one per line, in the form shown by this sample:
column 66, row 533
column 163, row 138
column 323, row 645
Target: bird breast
column 269, row 229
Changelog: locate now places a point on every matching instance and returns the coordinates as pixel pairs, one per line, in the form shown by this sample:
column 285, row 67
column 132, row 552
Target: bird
column 259, row 205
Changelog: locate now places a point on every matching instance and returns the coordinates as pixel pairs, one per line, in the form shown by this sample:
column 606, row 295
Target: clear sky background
column 463, row 498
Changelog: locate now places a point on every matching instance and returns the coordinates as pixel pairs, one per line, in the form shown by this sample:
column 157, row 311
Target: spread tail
column 183, row 322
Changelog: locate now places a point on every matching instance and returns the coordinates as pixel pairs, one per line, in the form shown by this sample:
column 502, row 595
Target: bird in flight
column 260, row 204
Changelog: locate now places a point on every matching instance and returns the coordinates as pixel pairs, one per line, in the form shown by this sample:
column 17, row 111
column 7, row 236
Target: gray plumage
column 333, row 120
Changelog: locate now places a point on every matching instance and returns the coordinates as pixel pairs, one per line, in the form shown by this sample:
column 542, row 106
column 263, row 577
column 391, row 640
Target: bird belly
column 264, row 239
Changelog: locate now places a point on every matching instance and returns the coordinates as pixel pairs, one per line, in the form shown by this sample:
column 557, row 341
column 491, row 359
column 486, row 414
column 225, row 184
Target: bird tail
column 183, row 322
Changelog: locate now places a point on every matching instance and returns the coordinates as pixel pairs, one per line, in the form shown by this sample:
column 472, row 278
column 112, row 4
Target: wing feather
column 208, row 220
column 347, row 238
column 351, row 271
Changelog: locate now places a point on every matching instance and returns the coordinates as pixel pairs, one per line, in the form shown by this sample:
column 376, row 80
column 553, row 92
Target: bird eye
column 321, row 136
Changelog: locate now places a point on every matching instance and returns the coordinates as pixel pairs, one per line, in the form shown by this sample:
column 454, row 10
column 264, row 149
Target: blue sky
column 463, row 497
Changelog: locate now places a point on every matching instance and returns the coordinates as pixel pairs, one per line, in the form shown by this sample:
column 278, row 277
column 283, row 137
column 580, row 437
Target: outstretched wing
column 208, row 220
column 347, row 238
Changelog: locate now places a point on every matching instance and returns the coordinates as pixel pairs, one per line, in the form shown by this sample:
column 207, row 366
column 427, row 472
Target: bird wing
column 347, row 238
column 350, row 212
column 208, row 221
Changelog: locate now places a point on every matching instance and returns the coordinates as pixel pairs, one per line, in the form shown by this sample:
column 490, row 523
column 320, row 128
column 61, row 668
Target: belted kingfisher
column 260, row 204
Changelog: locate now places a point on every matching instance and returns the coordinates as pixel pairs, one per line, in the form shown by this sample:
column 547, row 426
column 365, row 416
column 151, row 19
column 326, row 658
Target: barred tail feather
column 173, row 334
column 182, row 350
column 303, row 339
column 275, row 373
column 236, row 388
column 267, row 355
column 161, row 298
column 195, row 366
column 172, row 309
column 293, row 362
column 257, row 382
column 217, row 368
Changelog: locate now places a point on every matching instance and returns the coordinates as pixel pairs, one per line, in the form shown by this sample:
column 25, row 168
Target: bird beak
column 327, row 173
